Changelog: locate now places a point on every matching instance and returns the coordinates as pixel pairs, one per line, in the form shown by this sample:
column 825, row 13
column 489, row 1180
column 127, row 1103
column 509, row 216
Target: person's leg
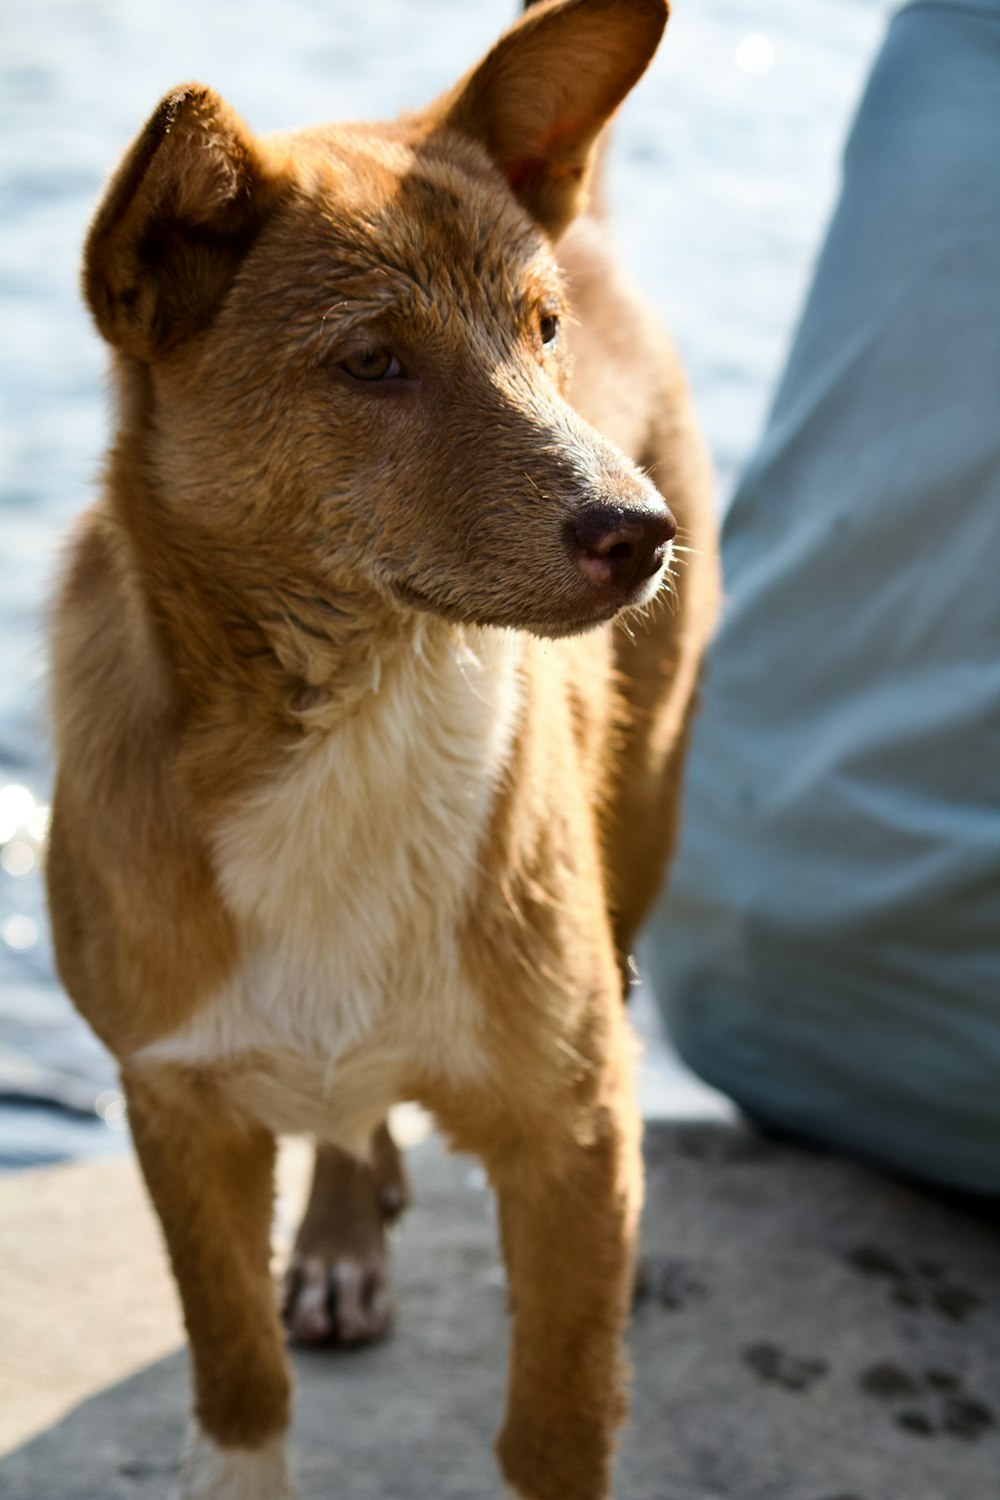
column 829, row 948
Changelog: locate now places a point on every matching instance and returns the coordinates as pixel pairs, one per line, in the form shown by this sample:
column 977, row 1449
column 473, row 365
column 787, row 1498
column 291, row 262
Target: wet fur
column 348, row 810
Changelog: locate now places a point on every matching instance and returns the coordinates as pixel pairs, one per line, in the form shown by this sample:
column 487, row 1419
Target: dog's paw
column 209, row 1472
column 334, row 1298
column 336, row 1287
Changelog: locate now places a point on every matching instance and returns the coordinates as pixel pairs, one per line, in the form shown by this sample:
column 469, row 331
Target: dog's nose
column 615, row 544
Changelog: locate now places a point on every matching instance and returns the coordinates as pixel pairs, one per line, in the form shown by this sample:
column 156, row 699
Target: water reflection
column 18, row 858
column 23, row 829
column 111, row 1107
column 17, row 807
column 20, row 932
column 755, row 54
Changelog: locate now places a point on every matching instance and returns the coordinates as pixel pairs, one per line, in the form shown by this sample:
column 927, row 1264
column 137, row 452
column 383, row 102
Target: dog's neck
column 331, row 645
column 241, row 625
column 259, row 661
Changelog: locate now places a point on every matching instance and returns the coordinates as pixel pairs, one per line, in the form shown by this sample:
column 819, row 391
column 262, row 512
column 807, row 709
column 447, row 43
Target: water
column 724, row 168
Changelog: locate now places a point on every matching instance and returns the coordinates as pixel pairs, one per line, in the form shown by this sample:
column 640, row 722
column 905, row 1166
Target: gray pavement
column 810, row 1330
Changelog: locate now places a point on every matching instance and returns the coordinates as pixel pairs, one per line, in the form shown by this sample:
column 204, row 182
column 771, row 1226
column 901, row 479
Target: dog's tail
column 596, row 205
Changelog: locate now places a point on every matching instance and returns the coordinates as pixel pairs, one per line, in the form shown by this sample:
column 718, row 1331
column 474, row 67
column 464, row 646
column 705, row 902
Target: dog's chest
column 348, row 875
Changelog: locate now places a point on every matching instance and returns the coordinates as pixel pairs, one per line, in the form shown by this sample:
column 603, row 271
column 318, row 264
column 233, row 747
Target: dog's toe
column 363, row 1307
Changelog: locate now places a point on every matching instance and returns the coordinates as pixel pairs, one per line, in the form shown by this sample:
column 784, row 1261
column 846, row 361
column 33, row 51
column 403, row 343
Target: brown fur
column 276, row 537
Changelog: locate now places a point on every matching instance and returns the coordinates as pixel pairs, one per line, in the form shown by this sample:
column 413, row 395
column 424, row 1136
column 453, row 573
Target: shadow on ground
column 807, row 1330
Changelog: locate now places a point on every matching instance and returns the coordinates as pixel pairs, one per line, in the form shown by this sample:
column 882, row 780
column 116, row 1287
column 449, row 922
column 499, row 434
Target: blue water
column 724, row 169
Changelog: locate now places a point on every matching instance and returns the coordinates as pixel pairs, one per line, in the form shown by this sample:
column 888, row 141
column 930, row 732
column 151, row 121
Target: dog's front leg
column 210, row 1176
column 569, row 1205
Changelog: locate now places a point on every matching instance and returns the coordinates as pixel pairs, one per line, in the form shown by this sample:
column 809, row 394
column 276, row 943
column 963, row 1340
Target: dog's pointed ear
column 540, row 98
column 179, row 215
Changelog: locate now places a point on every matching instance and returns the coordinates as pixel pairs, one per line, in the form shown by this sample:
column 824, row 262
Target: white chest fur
column 349, row 872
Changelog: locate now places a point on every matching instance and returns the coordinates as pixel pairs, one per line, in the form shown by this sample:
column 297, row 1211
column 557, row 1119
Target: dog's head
column 351, row 343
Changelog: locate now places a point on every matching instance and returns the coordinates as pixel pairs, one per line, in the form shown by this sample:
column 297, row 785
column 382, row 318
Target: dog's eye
column 548, row 327
column 372, row 364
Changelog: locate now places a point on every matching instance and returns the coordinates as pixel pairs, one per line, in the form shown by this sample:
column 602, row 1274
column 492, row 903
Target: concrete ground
column 810, row 1330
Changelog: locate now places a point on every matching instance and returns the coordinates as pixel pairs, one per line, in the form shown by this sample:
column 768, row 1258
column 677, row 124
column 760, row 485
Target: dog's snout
column 621, row 545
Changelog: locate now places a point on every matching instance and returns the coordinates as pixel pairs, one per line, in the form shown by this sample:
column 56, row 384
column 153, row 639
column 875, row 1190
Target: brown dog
column 361, row 795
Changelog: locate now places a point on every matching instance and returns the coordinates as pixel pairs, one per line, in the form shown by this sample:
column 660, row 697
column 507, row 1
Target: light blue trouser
column 829, row 949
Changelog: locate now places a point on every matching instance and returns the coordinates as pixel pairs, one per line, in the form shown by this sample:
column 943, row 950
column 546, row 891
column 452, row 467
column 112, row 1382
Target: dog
column 372, row 673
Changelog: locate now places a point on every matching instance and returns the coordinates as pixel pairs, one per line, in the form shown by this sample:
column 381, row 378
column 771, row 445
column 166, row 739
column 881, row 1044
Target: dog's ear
column 539, row 99
column 179, row 215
